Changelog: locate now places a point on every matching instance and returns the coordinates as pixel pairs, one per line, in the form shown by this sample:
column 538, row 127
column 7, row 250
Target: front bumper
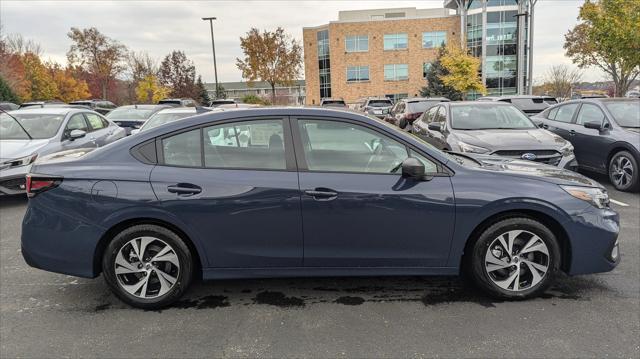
column 13, row 181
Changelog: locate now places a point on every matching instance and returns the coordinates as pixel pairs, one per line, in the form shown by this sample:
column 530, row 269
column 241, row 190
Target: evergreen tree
column 6, row 94
column 435, row 87
column 203, row 95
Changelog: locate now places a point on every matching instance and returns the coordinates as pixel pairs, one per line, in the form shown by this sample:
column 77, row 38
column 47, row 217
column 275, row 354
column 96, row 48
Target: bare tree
column 141, row 65
column 560, row 80
column 17, row 44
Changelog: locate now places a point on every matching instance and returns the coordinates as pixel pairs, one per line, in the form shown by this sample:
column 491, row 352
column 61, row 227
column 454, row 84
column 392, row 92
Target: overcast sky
column 158, row 27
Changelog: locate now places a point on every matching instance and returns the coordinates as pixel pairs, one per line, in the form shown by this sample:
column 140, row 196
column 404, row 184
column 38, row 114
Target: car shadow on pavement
column 300, row 293
column 13, row 201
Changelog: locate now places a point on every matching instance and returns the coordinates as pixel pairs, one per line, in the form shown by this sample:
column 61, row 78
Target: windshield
column 379, row 103
column 421, row 106
column 472, row 117
column 626, row 113
column 39, row 126
column 162, row 118
column 130, row 113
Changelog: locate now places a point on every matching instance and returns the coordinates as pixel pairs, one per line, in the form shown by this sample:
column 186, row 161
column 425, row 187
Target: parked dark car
column 490, row 128
column 376, row 106
column 407, row 110
column 101, row 106
column 333, row 102
column 133, row 116
column 605, row 134
column 216, row 103
column 222, row 195
column 8, row 106
column 29, row 133
column 530, row 105
column 183, row 102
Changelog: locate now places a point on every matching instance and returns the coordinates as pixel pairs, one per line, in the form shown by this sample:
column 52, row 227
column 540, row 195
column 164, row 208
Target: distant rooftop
column 392, row 14
column 242, row 85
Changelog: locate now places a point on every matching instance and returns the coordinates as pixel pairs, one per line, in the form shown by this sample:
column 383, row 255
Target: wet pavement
column 50, row 315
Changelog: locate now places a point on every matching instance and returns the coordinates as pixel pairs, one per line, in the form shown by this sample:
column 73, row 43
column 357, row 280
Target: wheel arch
column 621, row 146
column 120, row 226
column 544, row 218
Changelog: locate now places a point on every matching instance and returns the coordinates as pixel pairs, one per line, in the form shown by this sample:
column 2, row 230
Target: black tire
column 625, row 186
column 477, row 271
column 184, row 272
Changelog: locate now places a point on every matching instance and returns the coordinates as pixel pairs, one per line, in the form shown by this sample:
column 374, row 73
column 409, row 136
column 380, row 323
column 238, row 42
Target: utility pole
column 213, row 46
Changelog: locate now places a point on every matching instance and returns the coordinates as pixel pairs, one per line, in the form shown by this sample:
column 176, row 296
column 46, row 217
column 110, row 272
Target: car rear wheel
column 515, row 258
column 623, row 172
column 147, row 266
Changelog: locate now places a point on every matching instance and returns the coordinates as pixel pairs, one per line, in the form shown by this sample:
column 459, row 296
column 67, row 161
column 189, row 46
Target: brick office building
column 381, row 52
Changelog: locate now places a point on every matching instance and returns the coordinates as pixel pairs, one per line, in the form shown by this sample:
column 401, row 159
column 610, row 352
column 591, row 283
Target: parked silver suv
column 376, row 106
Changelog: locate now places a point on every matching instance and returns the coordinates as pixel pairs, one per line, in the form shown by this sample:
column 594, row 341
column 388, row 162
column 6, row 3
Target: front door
column 591, row 145
column 77, row 122
column 235, row 185
column 357, row 211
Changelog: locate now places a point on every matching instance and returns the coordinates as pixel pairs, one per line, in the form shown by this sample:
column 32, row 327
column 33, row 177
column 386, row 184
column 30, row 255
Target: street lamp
column 213, row 46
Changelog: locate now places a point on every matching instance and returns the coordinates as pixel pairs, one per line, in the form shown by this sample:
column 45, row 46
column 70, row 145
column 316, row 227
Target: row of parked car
column 595, row 134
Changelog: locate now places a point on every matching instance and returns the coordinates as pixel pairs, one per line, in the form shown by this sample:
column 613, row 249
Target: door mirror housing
column 75, row 134
column 435, row 126
column 413, row 168
column 593, row 124
column 536, row 122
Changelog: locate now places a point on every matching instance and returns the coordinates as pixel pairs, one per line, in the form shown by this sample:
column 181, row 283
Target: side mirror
column 75, row 134
column 412, row 167
column 403, row 123
column 593, row 124
column 435, row 126
column 538, row 123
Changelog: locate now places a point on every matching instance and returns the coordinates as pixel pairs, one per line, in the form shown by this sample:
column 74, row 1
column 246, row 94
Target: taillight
column 38, row 183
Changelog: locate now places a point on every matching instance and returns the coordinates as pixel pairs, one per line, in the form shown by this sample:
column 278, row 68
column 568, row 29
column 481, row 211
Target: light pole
column 213, row 46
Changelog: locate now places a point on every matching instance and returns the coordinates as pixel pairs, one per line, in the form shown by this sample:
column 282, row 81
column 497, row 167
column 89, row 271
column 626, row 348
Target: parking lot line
column 618, row 203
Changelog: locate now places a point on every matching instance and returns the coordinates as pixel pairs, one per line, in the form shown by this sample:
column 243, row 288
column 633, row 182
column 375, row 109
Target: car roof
column 178, row 110
column 144, row 107
column 49, row 110
column 478, row 103
column 496, row 98
column 424, row 99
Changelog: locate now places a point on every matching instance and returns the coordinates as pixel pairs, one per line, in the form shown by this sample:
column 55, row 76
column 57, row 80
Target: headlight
column 596, row 196
column 465, row 147
column 18, row 162
column 567, row 150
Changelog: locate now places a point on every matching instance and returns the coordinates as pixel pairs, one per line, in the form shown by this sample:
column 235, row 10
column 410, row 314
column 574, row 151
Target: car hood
column 528, row 139
column 12, row 149
column 531, row 169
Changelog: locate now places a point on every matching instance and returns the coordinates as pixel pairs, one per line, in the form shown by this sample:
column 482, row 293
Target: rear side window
column 552, row 113
column 565, row 113
column 95, row 121
column 182, row 149
column 248, row 144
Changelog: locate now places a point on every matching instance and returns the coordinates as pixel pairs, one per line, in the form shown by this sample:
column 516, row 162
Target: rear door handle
column 545, row 127
column 572, row 132
column 184, row 189
column 322, row 194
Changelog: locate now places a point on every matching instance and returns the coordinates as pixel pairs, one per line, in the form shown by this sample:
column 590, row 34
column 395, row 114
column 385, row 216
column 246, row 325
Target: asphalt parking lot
column 50, row 315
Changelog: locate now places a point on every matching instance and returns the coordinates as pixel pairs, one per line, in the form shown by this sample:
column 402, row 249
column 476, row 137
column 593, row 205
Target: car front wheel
column 147, row 266
column 623, row 172
column 515, row 258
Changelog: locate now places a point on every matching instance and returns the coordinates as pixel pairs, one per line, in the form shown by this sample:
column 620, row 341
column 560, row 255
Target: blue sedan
column 288, row 192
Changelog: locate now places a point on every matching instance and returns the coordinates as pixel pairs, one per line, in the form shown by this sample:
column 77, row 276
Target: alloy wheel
column 517, row 260
column 622, row 171
column 147, row 267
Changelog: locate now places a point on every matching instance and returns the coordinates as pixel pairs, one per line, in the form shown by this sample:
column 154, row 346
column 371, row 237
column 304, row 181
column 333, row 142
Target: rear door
column 358, row 212
column 99, row 128
column 235, row 184
column 560, row 120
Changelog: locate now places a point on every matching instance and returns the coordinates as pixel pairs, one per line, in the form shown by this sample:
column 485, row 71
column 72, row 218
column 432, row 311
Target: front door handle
column 186, row 189
column 546, row 127
column 322, row 194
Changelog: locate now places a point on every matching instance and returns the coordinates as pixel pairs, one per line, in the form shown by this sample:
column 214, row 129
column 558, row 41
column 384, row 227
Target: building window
column 357, row 73
column 434, row 39
column 391, row 15
column 358, row 43
column 395, row 41
column 396, row 72
column 396, row 96
column 324, row 64
column 426, row 66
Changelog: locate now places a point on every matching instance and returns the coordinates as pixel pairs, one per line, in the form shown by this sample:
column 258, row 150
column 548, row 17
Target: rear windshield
column 333, row 102
column 130, row 114
column 162, row 118
column 420, row 106
column 39, row 126
column 488, row 117
column 626, row 113
column 379, row 103
column 529, row 105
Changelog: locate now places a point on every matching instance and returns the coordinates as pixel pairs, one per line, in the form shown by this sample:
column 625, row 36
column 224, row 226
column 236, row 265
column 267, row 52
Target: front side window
column 565, row 113
column 345, row 147
column 255, row 144
column 396, row 41
column 358, row 43
column 396, row 72
column 76, row 122
column 434, row 39
column 589, row 113
column 95, row 121
column 357, row 73
column 183, row 149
